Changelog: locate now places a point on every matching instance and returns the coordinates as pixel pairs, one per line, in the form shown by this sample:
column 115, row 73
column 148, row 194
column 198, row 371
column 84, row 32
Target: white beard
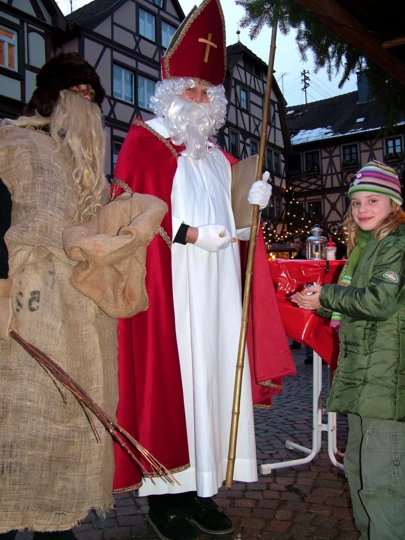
column 191, row 124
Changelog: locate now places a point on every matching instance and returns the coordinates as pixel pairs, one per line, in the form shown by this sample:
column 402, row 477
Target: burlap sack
column 5, row 311
column 111, row 250
column 54, row 468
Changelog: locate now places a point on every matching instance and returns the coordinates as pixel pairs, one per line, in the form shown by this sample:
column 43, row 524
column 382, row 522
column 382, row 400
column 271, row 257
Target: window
column 158, row 3
column 146, row 89
column 350, row 157
column 146, row 25
column 167, row 33
column 36, row 49
column 234, row 143
column 123, row 84
column 294, row 165
column 312, row 162
column 350, row 152
column 254, row 147
column 269, row 160
column 116, row 147
column 243, row 96
column 393, row 146
column 253, row 68
column 8, row 48
column 277, row 167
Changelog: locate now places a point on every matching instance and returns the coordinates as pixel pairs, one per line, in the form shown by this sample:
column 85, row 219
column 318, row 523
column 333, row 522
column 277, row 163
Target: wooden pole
column 249, row 270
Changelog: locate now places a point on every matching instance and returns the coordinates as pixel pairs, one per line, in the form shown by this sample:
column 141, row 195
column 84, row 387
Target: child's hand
column 308, row 298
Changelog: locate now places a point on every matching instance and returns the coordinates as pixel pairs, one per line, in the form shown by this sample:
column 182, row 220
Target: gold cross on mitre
column 208, row 44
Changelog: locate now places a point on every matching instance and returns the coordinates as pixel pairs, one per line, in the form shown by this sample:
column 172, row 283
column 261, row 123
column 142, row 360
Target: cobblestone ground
column 293, row 503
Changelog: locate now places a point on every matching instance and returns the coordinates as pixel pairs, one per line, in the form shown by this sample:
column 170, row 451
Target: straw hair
column 76, row 125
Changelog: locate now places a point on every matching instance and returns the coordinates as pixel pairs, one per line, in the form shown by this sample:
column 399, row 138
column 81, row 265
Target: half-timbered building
column 29, row 35
column 245, row 86
column 124, row 40
column 331, row 139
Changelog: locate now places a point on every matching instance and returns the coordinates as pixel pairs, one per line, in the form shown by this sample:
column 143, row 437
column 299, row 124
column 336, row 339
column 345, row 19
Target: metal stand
column 317, row 428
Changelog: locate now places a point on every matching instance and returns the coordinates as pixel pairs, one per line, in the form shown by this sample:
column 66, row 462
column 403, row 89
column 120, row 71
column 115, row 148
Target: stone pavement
column 293, row 503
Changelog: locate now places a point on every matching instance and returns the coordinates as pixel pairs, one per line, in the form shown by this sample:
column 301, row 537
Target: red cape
column 151, row 404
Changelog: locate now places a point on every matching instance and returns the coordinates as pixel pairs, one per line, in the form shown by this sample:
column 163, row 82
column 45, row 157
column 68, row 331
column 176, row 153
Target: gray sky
column 288, row 64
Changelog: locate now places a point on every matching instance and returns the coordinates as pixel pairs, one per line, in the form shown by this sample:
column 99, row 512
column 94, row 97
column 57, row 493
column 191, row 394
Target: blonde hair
column 394, row 219
column 76, row 125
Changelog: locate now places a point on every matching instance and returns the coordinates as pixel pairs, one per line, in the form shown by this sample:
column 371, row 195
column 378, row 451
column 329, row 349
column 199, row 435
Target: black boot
column 10, row 535
column 203, row 512
column 167, row 518
column 54, row 535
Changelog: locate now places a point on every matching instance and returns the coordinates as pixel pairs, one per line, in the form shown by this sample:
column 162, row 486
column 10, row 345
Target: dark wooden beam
column 353, row 32
column 394, row 43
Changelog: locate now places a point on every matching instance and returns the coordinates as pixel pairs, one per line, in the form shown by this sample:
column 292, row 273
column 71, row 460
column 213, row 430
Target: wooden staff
column 249, row 270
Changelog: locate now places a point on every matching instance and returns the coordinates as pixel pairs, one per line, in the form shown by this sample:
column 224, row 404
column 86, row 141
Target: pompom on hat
column 379, row 178
column 197, row 49
column 60, row 72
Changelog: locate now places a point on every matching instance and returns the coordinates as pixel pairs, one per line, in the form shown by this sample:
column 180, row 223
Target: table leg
column 317, row 427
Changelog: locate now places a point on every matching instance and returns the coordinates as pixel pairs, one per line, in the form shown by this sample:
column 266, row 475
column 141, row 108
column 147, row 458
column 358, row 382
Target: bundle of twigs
column 118, row 434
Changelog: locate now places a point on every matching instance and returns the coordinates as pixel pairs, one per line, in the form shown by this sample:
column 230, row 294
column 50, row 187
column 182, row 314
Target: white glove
column 260, row 192
column 212, row 238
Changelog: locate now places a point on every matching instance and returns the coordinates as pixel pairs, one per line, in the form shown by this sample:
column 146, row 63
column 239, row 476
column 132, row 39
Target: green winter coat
column 370, row 377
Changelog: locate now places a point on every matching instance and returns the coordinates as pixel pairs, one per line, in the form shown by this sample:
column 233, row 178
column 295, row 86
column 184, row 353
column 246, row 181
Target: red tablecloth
column 291, row 275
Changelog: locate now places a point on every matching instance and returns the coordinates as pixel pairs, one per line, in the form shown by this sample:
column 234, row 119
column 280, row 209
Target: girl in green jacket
column 367, row 305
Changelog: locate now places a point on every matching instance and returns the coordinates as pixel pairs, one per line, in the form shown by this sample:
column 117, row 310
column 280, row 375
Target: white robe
column 208, row 309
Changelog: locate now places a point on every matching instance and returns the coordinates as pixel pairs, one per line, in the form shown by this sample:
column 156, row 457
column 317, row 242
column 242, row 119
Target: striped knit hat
column 378, row 178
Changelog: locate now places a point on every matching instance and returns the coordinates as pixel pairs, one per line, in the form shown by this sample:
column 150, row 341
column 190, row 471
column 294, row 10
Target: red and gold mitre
column 197, row 49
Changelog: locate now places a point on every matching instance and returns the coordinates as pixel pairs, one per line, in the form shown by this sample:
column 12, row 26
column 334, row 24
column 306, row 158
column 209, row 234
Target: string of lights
column 279, row 233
